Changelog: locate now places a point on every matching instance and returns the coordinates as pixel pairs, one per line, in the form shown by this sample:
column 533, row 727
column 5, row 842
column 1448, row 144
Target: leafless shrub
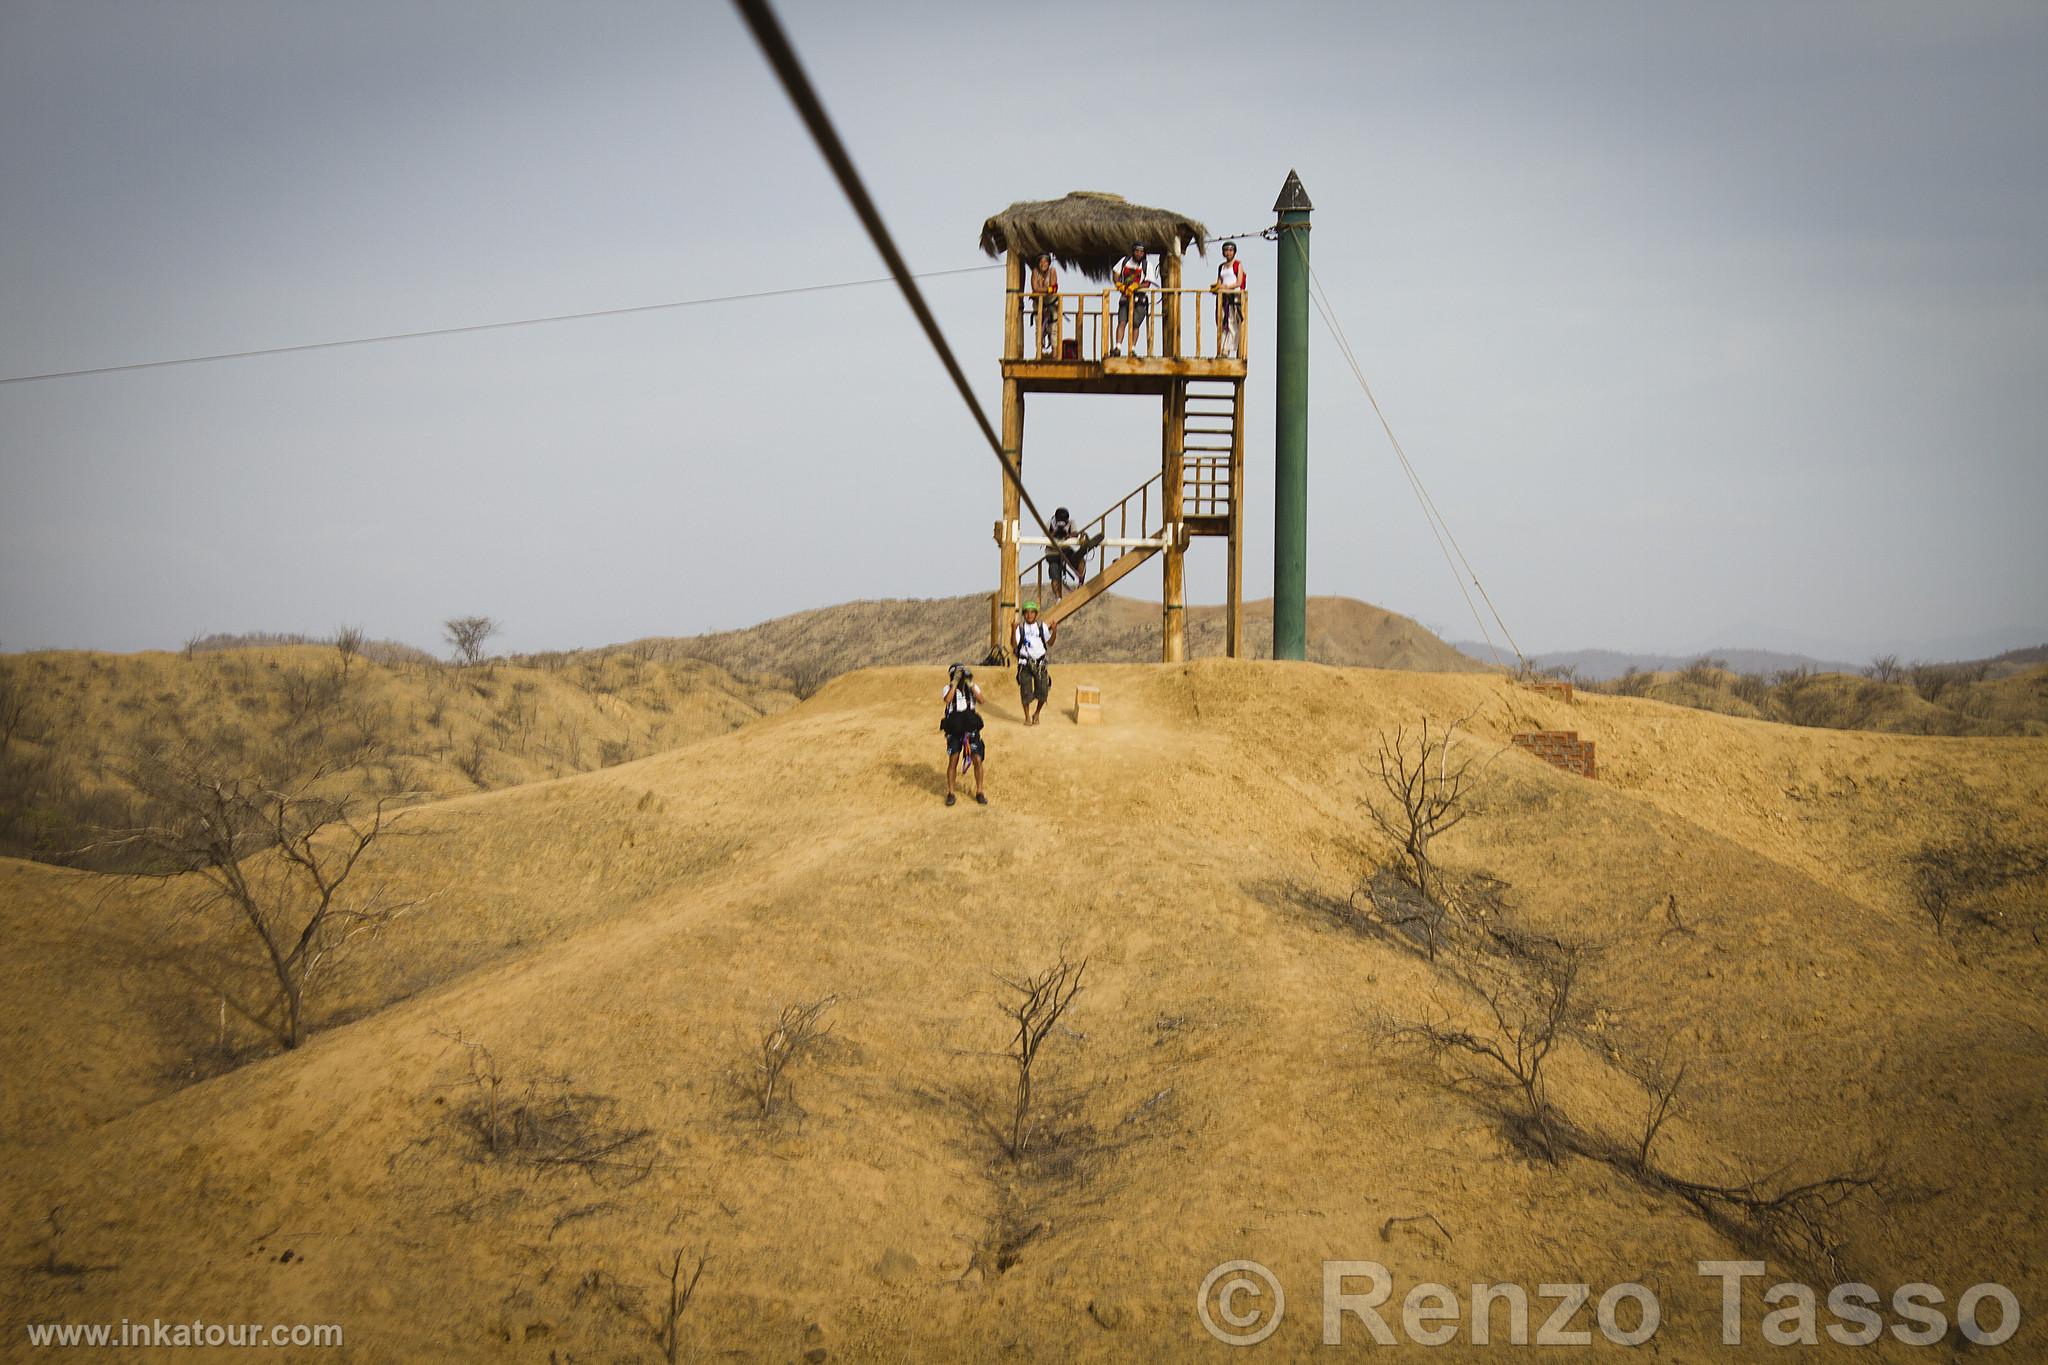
column 1633, row 683
column 1800, row 1217
column 471, row 760
column 277, row 849
column 489, row 1083
column 1752, row 688
column 1703, row 671
column 1674, row 923
column 806, row 676
column 468, row 634
column 1958, row 873
column 1526, row 1025
column 795, row 1032
column 1662, row 1078
column 1389, row 900
column 546, row 1123
column 1884, row 668
column 1042, row 998
column 668, row 1335
column 307, row 696
column 1428, row 798
column 53, row 1262
column 348, row 643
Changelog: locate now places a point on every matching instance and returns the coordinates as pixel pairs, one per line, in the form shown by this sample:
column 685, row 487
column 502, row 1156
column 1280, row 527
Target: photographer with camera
column 962, row 728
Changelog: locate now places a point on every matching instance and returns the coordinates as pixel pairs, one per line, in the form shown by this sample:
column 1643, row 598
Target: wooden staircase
column 1134, row 529
column 1209, row 438
column 1139, row 515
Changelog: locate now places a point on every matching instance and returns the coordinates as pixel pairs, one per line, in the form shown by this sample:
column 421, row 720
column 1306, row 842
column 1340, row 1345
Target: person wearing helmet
column 1030, row 642
column 962, row 728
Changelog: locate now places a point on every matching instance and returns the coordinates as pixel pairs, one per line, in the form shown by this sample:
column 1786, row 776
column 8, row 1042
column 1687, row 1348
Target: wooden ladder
column 1209, row 440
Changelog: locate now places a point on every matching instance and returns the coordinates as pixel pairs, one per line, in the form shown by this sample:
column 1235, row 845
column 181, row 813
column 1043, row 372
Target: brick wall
column 1560, row 749
column 1552, row 687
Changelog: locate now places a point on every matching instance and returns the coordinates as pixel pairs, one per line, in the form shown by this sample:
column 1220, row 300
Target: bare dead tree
column 348, row 644
column 1800, row 1216
column 668, row 1335
column 1525, row 1028
column 1428, row 795
column 489, row 1082
column 546, row 1123
column 792, row 1034
column 468, row 634
column 1662, row 1077
column 1885, row 668
column 1042, row 998
column 278, row 850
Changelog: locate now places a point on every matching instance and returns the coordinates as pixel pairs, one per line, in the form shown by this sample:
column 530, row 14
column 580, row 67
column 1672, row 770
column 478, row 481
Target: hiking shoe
column 980, row 800
column 949, row 798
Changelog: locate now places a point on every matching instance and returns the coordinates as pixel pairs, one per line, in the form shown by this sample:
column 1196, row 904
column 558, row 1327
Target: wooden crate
column 1087, row 704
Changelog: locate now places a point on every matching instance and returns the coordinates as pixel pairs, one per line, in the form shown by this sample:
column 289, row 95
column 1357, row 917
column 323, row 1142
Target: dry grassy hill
column 1986, row 697
column 71, row 722
column 813, row 646
column 1224, row 1087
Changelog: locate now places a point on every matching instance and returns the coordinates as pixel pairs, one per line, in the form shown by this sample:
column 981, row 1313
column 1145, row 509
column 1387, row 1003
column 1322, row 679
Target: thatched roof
column 1088, row 231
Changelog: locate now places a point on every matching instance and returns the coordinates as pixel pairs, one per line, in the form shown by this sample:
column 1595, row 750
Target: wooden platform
column 1123, row 374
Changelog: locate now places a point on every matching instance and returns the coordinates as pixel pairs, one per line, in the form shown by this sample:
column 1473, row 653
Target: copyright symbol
column 1248, row 1301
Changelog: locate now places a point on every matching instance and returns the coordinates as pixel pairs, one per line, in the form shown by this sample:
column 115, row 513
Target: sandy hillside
column 1223, row 1089
column 79, row 719
column 1113, row 629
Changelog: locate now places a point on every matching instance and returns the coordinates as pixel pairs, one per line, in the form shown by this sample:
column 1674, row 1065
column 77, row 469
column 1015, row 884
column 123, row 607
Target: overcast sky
column 1705, row 324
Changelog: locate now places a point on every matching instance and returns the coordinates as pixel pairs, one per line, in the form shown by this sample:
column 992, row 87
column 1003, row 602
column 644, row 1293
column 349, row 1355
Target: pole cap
column 1293, row 198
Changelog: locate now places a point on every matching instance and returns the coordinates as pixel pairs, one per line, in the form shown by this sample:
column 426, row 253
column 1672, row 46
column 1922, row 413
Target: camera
column 961, row 673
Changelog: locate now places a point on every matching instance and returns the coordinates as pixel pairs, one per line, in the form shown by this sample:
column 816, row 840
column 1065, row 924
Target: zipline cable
column 775, row 47
column 486, row 326
column 1439, row 527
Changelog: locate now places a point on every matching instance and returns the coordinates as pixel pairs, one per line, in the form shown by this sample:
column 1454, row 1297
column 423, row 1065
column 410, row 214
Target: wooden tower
column 1184, row 356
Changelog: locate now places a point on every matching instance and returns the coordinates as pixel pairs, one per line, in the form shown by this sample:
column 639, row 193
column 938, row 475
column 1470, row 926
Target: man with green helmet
column 1034, row 680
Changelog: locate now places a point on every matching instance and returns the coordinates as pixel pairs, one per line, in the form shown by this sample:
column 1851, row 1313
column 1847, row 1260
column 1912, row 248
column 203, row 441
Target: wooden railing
column 1205, row 485
column 1107, row 531
column 1214, row 325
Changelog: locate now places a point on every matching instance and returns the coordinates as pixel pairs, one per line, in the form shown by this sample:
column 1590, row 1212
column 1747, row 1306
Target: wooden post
column 1005, row 623
column 1013, row 307
column 1233, row 640
column 1173, row 645
column 1169, row 280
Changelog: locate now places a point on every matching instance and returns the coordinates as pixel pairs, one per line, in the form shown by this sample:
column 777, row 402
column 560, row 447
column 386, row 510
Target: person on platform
column 1045, row 296
column 1230, row 285
column 1135, row 280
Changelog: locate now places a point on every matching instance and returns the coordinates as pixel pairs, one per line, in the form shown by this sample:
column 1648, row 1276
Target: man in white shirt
column 1034, row 679
column 1135, row 280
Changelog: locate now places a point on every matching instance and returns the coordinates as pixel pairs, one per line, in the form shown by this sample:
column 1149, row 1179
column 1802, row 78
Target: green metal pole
column 1290, row 426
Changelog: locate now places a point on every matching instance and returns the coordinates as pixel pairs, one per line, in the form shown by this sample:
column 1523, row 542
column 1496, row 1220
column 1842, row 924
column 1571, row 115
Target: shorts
column 1135, row 305
column 975, row 748
column 1034, row 681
